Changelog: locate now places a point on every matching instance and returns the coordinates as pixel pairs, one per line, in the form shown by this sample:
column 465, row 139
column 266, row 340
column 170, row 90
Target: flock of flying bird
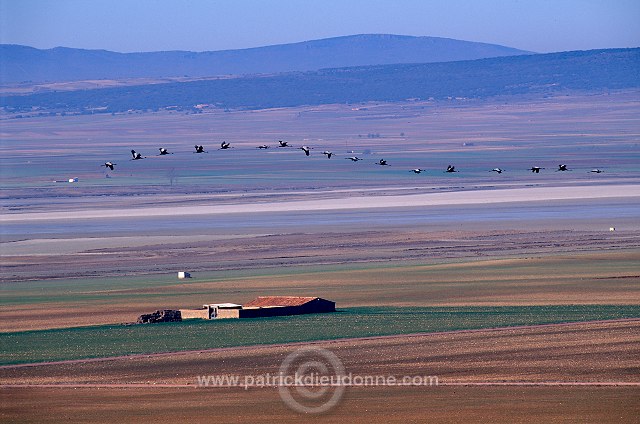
column 307, row 151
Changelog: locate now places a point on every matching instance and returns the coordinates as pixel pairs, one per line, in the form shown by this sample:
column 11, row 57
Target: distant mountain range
column 27, row 64
column 587, row 71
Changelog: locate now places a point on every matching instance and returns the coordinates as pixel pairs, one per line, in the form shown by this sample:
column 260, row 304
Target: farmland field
column 593, row 360
column 452, row 405
column 104, row 341
column 442, row 275
column 399, row 252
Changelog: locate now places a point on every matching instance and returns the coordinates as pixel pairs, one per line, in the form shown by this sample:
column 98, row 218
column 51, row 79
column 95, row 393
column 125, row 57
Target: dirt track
column 444, row 384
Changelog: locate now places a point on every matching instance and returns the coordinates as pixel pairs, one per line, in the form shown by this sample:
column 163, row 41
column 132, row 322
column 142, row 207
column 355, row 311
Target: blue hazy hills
column 593, row 71
column 22, row 63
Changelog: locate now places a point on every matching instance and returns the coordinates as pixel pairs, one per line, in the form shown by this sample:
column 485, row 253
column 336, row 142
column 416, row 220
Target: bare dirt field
column 496, row 355
column 359, row 405
column 593, row 360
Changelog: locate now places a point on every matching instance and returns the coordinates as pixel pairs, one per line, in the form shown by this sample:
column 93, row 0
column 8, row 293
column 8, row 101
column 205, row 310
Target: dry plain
column 248, row 222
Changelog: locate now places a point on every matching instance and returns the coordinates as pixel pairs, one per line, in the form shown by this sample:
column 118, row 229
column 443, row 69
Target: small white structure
column 222, row 310
column 183, row 274
column 612, row 229
column 213, row 311
column 73, row 180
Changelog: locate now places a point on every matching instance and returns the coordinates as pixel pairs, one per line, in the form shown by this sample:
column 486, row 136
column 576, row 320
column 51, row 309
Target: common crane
column 305, row 149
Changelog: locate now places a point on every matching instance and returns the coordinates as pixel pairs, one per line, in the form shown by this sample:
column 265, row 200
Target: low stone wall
column 229, row 313
column 202, row 313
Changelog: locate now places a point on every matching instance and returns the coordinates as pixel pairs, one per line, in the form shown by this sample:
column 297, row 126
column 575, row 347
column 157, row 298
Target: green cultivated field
column 115, row 340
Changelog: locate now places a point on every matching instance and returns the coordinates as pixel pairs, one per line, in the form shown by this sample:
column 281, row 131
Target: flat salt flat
column 412, row 200
column 61, row 246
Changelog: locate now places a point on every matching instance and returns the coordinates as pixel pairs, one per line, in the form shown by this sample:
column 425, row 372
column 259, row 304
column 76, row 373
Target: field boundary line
column 440, row 383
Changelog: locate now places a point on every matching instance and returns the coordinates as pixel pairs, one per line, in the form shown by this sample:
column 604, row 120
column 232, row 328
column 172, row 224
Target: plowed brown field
column 587, row 356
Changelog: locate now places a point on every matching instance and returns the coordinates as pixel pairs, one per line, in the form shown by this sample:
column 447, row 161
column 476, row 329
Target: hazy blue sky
column 197, row 25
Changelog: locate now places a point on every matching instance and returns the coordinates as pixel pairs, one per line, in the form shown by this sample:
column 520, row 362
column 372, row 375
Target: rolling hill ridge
column 587, row 71
column 21, row 63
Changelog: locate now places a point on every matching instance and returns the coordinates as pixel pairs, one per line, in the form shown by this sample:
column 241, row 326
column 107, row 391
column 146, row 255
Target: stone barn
column 272, row 306
column 263, row 306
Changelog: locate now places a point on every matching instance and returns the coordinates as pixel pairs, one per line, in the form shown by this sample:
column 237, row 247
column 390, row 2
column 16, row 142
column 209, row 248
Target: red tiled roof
column 266, row 301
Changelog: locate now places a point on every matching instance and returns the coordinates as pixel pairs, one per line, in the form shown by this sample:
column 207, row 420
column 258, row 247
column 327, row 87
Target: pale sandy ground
column 343, row 203
column 66, row 246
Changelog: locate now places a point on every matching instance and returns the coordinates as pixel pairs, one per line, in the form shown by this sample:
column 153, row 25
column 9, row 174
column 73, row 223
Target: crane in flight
column 305, row 149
